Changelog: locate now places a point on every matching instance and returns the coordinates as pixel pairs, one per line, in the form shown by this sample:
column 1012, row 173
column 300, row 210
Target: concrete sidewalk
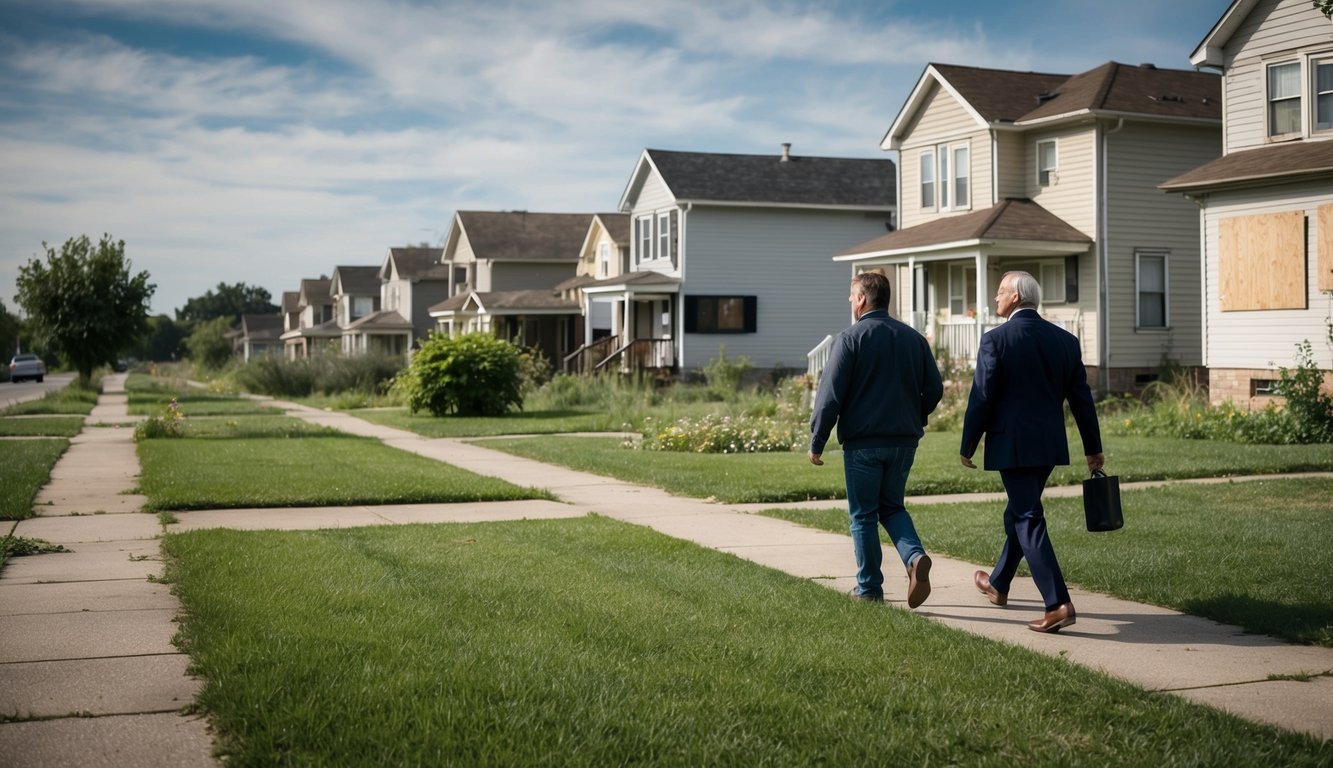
column 87, row 663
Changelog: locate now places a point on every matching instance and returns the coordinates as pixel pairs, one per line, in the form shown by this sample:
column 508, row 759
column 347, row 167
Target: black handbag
column 1101, row 503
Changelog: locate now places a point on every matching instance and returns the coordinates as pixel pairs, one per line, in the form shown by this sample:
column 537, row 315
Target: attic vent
column 1147, row 65
column 1046, row 96
column 786, row 151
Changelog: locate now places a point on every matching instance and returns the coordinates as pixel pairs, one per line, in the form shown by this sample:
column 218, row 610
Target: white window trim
column 1053, row 173
column 1311, row 82
column 943, row 159
column 1165, row 256
column 927, row 160
column 603, row 259
column 663, row 238
column 643, row 238
column 953, row 181
column 1046, row 296
column 1302, row 101
column 940, row 158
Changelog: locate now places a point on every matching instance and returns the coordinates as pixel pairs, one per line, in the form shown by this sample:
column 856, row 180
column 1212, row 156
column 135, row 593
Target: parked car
column 26, row 366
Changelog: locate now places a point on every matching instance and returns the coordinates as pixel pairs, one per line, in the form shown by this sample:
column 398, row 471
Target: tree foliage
column 208, row 344
column 1325, row 7
column 164, row 341
column 10, row 326
column 85, row 300
column 230, row 301
column 471, row 375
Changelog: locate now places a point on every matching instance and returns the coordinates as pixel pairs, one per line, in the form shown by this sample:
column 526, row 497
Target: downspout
column 1104, row 265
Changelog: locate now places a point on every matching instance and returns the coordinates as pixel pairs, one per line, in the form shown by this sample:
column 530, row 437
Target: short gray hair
column 1027, row 288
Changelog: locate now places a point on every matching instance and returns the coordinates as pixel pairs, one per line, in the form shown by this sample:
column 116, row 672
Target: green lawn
column 71, row 399
column 779, row 477
column 537, row 422
column 25, row 469
column 45, row 426
column 316, row 470
column 590, row 642
column 1256, row 554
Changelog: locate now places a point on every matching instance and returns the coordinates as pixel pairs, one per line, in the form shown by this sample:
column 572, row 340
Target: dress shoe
column 982, row 580
column 1054, row 620
column 918, row 581
column 857, row 594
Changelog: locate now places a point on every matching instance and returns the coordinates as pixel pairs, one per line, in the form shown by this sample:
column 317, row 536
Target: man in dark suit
column 1026, row 369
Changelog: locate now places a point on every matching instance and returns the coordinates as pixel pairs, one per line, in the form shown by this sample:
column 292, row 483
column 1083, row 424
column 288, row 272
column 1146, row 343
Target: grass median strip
column 321, row 470
column 612, row 644
column 25, row 469
column 1254, row 554
column 41, row 426
column 779, row 477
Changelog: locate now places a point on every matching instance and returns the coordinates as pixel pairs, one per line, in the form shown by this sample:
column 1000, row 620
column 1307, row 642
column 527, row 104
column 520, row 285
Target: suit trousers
column 1025, row 536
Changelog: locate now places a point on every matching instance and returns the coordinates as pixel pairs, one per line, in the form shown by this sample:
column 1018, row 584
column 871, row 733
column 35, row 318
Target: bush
column 471, row 375
column 208, row 343
column 168, row 425
column 1310, row 407
column 366, row 375
column 724, row 376
column 723, row 434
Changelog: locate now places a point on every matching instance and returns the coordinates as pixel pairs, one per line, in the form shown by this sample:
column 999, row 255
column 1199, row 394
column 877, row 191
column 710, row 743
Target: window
column 928, row 179
column 1323, row 94
column 1051, row 277
column 1265, row 387
column 1047, row 162
column 1284, row 98
column 460, row 279
column 1150, row 271
column 362, row 306
column 962, row 290
column 961, row 172
column 603, row 259
column 645, row 237
column 721, row 314
column 664, row 235
column 944, row 178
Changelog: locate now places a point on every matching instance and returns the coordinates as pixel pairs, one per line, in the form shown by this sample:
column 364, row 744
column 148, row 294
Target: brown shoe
column 857, row 594
column 982, row 580
column 918, row 581
column 1054, row 620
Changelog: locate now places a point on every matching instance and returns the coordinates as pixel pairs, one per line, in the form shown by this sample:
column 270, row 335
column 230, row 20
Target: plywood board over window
column 1325, row 240
column 1262, row 262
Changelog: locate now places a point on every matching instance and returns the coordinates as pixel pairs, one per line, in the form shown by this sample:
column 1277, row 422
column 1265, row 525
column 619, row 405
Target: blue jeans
column 876, row 484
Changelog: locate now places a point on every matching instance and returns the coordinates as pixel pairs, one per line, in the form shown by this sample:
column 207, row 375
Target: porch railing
column 586, row 357
column 817, row 359
column 639, row 355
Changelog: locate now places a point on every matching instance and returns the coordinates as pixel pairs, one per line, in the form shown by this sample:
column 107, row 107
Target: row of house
column 1173, row 218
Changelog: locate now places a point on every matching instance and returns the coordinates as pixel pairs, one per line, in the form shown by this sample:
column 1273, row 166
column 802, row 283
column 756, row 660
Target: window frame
column 1325, row 59
column 644, row 237
column 944, row 175
column 1047, row 293
column 1270, row 122
column 927, row 163
column 965, row 201
column 603, row 259
column 1054, row 168
column 697, row 306
column 663, row 238
column 1140, row 254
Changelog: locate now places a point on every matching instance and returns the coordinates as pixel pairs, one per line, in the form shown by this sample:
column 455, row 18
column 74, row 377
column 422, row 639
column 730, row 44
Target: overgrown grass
column 769, row 477
column 18, row 546
column 1254, row 554
column 250, row 425
column 45, row 426
column 152, row 401
column 536, row 422
column 615, row 645
column 71, row 399
column 25, row 469
column 320, row 470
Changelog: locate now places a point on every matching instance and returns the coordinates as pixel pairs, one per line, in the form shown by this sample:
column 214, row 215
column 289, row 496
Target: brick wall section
column 1234, row 384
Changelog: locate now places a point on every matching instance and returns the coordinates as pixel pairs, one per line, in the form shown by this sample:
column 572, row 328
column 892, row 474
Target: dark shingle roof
column 1010, row 219
column 291, row 301
column 1287, row 162
column 816, row 181
column 316, row 292
column 1005, row 96
column 385, row 320
column 616, row 226
column 453, row 303
column 523, row 236
column 419, row 263
column 259, row 327
column 531, row 299
column 358, row 281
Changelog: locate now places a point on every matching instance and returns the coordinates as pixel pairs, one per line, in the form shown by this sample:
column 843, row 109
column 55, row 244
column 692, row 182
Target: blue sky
column 263, row 141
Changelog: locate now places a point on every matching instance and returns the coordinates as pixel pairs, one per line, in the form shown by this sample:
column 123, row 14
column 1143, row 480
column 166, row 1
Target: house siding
column 423, row 296
column 1272, row 29
column 1266, row 339
column 781, row 257
column 943, row 120
column 1139, row 216
column 1070, row 195
column 1011, row 156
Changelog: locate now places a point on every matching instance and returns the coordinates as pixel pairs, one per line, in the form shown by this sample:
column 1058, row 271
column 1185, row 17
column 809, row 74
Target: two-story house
column 316, row 328
column 1266, row 206
column 1056, row 175
column 604, row 255
column 411, row 281
column 503, row 269
column 726, row 252
column 356, row 294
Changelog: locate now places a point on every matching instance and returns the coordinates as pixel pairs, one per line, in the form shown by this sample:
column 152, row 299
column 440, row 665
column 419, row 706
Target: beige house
column 1266, row 206
column 312, row 327
column 411, row 280
column 1056, row 175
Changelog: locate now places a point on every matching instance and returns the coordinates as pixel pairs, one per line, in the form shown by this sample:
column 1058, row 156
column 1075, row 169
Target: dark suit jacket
column 1026, row 369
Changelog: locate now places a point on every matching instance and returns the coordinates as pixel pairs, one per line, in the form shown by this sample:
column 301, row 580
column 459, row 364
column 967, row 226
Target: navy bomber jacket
column 880, row 384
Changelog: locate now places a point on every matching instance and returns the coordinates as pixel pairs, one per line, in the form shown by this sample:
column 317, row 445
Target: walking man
column 880, row 384
column 1026, row 369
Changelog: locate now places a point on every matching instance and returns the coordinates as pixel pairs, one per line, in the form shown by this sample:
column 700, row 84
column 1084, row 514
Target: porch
column 611, row 354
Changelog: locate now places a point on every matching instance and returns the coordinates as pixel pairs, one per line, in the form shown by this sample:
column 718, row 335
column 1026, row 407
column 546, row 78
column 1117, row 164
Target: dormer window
column 1284, row 98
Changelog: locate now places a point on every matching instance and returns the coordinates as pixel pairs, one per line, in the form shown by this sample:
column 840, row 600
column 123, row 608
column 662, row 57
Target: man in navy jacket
column 1026, row 369
column 880, row 384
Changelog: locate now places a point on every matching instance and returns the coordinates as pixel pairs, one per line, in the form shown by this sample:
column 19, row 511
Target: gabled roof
column 325, row 330
column 1012, row 219
column 1209, row 50
column 517, row 302
column 315, row 292
column 785, row 180
column 383, row 320
column 415, row 264
column 524, row 236
column 355, row 281
column 259, row 327
column 616, row 226
column 1295, row 161
column 998, row 97
column 637, row 279
column 291, row 301
column 452, row 304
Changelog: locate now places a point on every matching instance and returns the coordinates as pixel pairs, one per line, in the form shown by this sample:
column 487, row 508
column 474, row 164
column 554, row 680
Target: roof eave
column 892, row 139
column 1243, row 182
column 1209, row 51
column 817, row 206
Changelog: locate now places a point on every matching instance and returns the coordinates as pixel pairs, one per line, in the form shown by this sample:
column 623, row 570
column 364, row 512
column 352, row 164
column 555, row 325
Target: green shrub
column 326, row 374
column 168, row 425
column 1310, row 407
column 724, row 376
column 208, row 343
column 475, row 374
column 723, row 434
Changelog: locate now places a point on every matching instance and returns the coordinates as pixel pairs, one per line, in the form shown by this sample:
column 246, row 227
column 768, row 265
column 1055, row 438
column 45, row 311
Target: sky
column 266, row 141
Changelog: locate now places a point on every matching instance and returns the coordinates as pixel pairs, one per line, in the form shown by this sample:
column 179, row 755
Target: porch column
column 983, row 301
column 587, row 318
column 911, row 291
column 626, row 327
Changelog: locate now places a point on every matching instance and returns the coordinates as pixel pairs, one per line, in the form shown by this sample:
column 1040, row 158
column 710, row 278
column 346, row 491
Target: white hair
column 1027, row 288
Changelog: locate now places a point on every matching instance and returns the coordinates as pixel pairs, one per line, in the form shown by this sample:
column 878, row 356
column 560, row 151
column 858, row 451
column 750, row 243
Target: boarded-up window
column 1262, row 262
column 1325, row 267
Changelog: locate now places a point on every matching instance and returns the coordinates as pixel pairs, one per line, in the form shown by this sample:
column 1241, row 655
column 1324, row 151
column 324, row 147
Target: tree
column 230, row 301
column 85, row 301
column 165, row 340
column 209, row 346
column 10, row 326
column 1325, row 7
